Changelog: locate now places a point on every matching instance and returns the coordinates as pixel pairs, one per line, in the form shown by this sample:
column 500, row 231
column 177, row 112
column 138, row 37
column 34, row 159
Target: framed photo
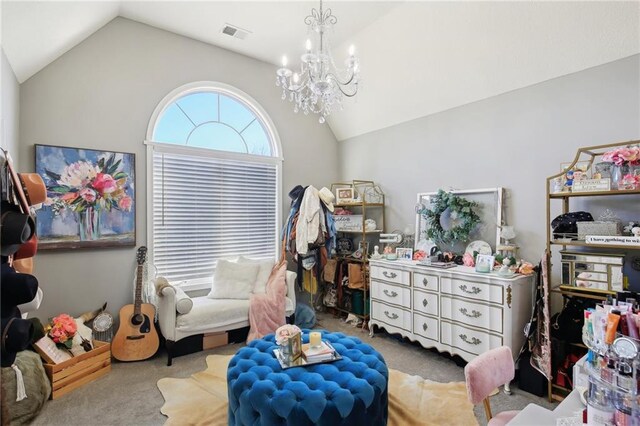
column 484, row 263
column 295, row 346
column 404, row 253
column 90, row 198
column 344, row 195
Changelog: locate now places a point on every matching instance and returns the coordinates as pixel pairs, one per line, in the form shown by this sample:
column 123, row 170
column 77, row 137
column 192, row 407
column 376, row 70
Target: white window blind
column 207, row 208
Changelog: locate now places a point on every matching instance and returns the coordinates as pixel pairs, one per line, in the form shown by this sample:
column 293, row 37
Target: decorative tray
column 301, row 361
column 439, row 265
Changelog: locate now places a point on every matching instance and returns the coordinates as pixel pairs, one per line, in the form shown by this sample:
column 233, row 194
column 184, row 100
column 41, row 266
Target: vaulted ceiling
column 417, row 57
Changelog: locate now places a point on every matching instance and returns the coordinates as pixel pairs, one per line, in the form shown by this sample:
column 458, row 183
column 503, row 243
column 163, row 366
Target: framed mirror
column 489, row 210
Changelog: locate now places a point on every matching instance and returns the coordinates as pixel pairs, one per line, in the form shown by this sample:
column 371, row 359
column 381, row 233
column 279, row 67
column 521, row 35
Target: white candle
column 314, row 338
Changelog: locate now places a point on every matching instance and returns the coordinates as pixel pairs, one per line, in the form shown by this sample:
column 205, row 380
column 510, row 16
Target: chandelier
column 319, row 86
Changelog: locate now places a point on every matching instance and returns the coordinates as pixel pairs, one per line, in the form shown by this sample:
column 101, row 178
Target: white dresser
column 454, row 310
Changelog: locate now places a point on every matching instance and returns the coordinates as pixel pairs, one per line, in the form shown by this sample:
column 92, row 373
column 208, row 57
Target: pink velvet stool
column 485, row 373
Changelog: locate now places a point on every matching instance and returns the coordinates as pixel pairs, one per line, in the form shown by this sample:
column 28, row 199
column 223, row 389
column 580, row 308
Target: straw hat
column 327, row 198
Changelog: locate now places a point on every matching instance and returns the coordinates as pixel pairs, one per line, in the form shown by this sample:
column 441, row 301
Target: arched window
column 214, row 160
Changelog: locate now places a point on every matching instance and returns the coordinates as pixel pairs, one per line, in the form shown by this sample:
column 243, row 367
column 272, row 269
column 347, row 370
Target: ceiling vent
column 234, row 31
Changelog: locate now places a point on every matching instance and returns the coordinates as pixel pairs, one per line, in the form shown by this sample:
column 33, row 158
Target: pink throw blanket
column 267, row 311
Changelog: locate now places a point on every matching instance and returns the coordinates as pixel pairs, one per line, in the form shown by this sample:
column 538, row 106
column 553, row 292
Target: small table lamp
column 507, row 233
column 506, row 248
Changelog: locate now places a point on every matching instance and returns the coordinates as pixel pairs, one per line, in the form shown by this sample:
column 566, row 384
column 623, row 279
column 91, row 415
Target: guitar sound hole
column 137, row 319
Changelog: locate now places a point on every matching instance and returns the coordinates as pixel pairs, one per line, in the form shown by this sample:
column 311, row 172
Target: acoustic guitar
column 137, row 338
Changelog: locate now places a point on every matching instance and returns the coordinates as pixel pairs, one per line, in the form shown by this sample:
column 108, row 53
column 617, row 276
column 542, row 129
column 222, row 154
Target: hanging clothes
column 332, row 233
column 308, row 224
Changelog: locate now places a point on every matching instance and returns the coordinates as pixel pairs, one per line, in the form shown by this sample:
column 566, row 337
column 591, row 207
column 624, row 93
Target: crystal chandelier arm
column 347, row 83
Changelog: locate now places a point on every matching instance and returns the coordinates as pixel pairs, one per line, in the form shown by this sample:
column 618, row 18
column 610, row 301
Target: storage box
column 80, row 370
column 213, row 340
column 350, row 222
column 597, row 228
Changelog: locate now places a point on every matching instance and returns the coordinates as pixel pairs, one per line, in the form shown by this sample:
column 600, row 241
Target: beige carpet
column 202, row 399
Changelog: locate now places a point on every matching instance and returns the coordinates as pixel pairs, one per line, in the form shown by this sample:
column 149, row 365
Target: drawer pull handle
column 390, row 293
column 392, row 316
column 474, row 290
column 389, row 275
column 424, row 302
column 425, row 281
column 473, row 314
column 473, row 341
column 424, row 326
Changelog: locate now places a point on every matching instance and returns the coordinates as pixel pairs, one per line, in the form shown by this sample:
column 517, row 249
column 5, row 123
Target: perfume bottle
column 624, row 378
column 608, row 370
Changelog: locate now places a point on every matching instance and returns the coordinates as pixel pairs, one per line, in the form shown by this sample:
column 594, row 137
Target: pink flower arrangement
column 84, row 185
column 62, row 329
column 630, row 181
column 623, row 156
column 419, row 255
column 283, row 333
column 525, row 268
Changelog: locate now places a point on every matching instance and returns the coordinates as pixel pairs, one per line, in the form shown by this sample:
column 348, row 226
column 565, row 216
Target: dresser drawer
column 472, row 290
column 424, row 302
column 390, row 293
column 472, row 313
column 425, row 281
column 466, row 339
column 391, row 315
column 392, row 275
column 426, row 327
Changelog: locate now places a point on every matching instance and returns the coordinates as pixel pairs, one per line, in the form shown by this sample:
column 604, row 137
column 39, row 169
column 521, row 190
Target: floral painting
column 90, row 198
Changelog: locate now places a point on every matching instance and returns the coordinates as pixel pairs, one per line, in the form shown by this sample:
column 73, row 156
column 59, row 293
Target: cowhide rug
column 202, row 399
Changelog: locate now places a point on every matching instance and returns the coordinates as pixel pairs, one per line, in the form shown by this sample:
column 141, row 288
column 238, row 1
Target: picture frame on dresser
column 404, row 253
column 490, row 201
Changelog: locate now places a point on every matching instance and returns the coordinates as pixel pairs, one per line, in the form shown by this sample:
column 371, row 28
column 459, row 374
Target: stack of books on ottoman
column 322, row 353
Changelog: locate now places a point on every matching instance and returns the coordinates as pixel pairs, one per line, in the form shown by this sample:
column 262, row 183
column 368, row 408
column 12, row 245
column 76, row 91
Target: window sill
column 188, row 287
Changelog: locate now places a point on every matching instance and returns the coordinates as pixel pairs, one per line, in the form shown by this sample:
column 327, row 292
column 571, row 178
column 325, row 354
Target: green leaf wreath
column 460, row 208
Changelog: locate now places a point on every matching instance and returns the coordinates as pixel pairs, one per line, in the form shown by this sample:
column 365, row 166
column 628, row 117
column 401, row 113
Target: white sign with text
column 612, row 240
column 591, row 185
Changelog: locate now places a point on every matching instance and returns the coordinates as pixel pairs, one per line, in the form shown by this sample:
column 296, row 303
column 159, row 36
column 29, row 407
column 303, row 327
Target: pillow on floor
column 266, row 265
column 233, row 280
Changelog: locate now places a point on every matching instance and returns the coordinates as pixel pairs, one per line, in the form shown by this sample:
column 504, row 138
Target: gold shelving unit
column 364, row 203
column 584, row 155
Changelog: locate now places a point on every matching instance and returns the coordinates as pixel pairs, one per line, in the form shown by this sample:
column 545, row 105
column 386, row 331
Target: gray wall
column 101, row 95
column 514, row 140
column 10, row 106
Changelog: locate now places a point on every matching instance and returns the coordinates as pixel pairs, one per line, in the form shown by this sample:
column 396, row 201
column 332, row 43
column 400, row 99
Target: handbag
column 331, row 297
column 329, row 273
column 356, row 280
column 567, row 324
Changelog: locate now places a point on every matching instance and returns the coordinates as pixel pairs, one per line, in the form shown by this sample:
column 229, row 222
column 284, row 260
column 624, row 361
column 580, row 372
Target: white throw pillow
column 233, row 280
column 266, row 265
column 183, row 302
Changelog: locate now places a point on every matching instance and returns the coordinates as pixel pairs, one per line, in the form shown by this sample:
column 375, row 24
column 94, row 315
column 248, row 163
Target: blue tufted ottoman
column 350, row 391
